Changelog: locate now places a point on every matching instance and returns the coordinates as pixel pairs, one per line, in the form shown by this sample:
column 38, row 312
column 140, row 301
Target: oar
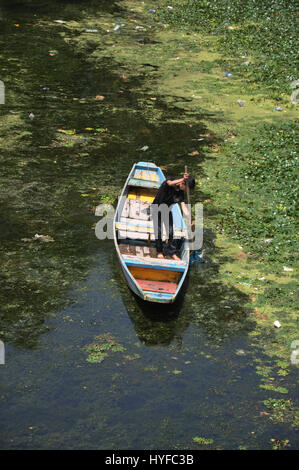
column 188, row 198
column 194, row 255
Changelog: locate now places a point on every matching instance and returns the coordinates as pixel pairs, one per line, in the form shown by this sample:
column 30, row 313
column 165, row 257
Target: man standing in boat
column 171, row 191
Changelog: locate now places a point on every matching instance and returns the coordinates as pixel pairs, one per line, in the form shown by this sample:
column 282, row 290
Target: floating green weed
column 274, row 389
column 103, row 346
column 263, row 213
column 282, row 411
column 202, row 440
column 264, row 371
column 264, row 30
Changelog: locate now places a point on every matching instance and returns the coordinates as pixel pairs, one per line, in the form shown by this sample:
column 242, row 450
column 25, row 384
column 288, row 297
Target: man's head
column 190, row 181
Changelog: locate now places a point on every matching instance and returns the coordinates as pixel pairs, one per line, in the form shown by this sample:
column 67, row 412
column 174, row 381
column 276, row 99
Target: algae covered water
column 87, row 365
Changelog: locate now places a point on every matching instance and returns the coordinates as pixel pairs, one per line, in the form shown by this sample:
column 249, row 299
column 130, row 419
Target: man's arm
column 185, row 210
column 174, row 182
column 179, row 180
column 187, row 213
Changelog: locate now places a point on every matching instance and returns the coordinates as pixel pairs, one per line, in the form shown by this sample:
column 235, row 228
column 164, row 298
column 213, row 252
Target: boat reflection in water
column 155, row 323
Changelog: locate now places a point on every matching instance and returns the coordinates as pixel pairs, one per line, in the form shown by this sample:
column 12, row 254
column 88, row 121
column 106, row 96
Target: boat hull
column 149, row 278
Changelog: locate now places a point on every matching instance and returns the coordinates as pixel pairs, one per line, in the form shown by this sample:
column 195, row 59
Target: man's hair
column 191, row 182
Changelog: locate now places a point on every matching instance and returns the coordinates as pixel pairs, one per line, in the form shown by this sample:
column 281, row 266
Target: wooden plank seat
column 150, row 273
column 127, row 224
column 157, row 286
column 144, row 183
column 148, row 174
column 136, row 209
column 138, row 250
column 158, row 263
column 142, row 194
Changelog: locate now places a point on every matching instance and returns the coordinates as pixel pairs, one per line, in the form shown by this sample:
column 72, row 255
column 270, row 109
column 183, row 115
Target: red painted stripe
column 157, row 286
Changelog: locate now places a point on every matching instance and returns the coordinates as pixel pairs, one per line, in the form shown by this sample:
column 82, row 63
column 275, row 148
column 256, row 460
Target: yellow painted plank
column 146, row 175
column 154, row 176
column 144, row 197
column 147, row 195
column 132, row 195
column 142, row 193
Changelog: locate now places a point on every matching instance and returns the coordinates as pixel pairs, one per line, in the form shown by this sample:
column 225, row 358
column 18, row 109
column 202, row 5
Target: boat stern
column 159, row 297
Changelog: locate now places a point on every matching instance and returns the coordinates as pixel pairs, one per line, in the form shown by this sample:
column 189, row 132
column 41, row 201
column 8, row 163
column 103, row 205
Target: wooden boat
column 151, row 278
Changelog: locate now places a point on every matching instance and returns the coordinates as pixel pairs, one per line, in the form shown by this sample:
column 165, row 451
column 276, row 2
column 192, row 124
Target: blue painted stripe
column 146, row 165
column 159, row 297
column 144, row 183
column 146, row 168
column 167, row 267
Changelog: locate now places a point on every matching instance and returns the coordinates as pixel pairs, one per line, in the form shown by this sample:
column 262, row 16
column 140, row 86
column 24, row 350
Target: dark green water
column 187, row 371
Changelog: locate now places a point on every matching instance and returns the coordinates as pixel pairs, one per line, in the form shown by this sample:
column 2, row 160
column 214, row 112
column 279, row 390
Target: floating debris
column 41, row 238
column 285, row 268
column 67, row 131
column 116, row 28
column 240, row 352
